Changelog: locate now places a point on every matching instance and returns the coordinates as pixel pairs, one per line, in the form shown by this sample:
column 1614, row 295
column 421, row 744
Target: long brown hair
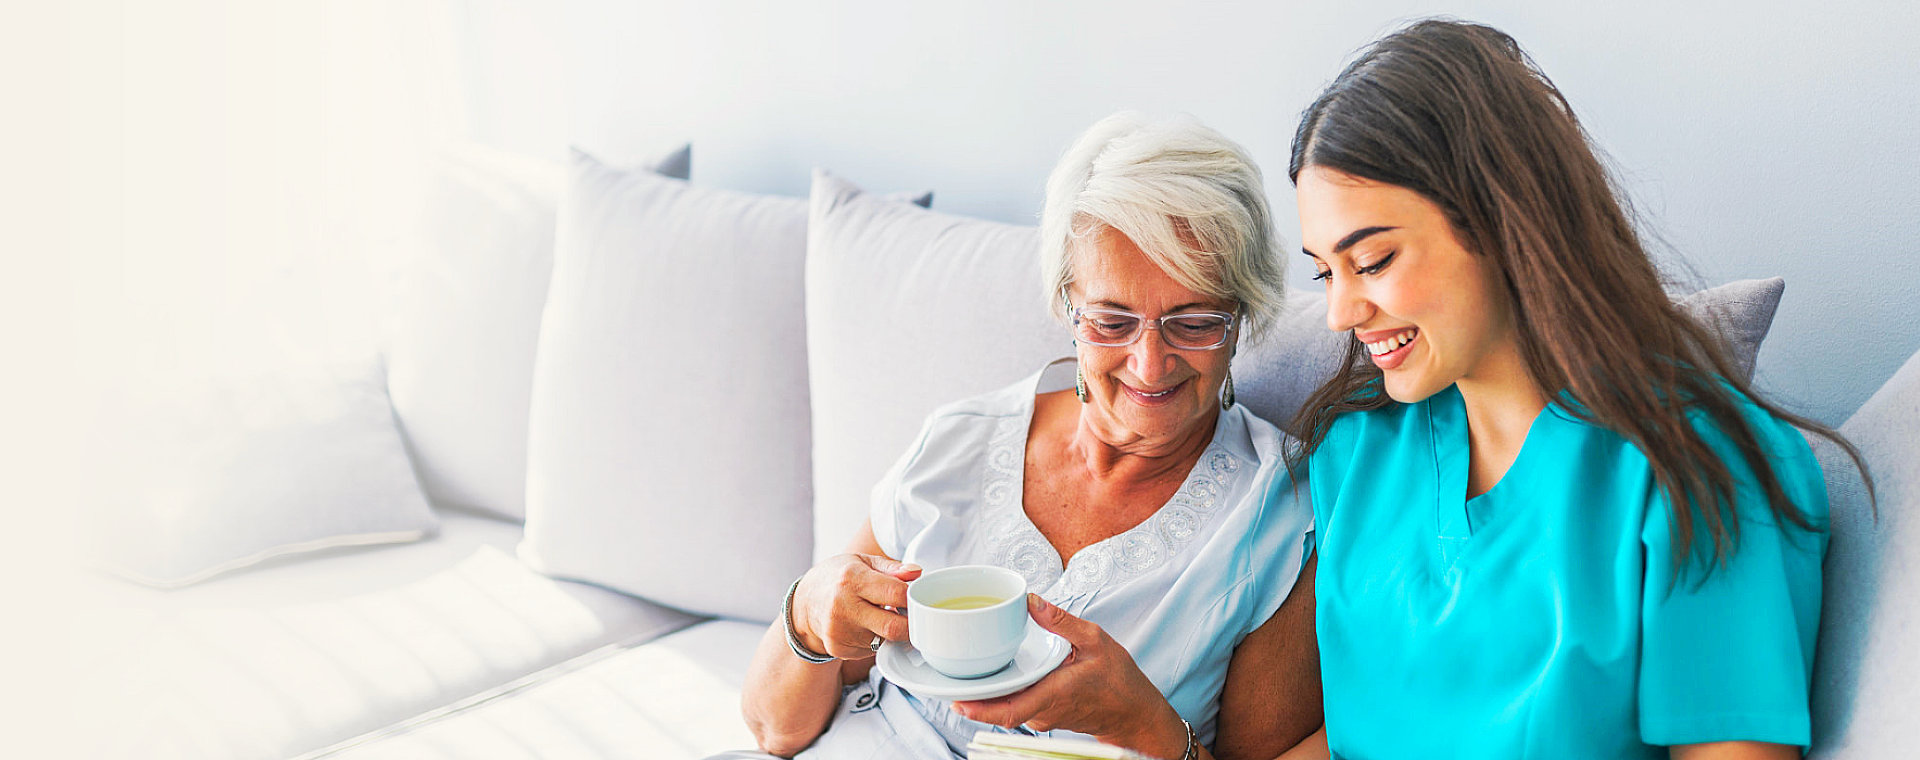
column 1458, row 113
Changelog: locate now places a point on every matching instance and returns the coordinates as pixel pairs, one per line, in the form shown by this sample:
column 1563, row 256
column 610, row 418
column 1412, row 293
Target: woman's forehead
column 1138, row 289
column 1333, row 206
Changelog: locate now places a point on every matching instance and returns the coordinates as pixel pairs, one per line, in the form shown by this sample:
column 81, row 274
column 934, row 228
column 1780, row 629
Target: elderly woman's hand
column 1098, row 690
column 841, row 604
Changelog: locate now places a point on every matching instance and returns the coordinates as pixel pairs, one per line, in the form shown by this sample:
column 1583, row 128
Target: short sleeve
column 1275, row 546
column 1729, row 657
column 895, row 520
column 1288, row 501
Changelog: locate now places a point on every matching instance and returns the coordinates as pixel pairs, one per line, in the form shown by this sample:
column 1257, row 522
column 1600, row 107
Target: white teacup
column 968, row 620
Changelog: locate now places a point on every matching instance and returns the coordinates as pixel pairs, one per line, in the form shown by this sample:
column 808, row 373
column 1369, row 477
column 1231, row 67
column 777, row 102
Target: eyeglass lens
column 1193, row 331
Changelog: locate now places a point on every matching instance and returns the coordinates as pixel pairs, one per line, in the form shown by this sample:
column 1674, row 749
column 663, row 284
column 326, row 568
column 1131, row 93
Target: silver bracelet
column 793, row 638
column 1193, row 742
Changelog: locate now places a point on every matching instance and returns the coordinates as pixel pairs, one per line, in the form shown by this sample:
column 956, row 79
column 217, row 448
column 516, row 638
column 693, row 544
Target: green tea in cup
column 966, row 602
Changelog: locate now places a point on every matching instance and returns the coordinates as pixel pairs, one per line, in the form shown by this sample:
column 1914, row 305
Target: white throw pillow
column 467, row 319
column 907, row 309
column 215, row 476
column 668, row 442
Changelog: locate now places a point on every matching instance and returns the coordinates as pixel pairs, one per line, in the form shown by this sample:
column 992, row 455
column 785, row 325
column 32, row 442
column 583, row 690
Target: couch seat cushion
column 675, row 697
column 294, row 657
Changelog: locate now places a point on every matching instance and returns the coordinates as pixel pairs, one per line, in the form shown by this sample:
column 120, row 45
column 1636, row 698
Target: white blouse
column 1180, row 590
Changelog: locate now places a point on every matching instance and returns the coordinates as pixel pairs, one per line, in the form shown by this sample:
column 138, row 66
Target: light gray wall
column 1757, row 141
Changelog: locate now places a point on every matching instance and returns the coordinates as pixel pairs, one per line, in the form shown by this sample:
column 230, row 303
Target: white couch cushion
column 217, row 672
column 263, row 680
column 343, row 572
column 674, row 698
column 1865, row 674
column 668, row 450
column 907, row 309
column 215, row 474
column 467, row 319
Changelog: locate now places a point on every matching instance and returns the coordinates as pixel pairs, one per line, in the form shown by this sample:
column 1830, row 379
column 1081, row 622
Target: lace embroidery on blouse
column 1013, row 541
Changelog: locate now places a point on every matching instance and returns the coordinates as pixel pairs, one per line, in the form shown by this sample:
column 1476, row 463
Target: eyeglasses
column 1190, row 330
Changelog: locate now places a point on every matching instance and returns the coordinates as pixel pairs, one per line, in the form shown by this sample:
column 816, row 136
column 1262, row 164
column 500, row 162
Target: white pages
column 989, row 745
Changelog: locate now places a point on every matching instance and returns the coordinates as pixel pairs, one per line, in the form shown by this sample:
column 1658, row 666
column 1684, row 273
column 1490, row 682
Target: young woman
column 1552, row 520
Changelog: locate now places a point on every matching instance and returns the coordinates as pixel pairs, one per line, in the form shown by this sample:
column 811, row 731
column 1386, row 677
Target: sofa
column 616, row 414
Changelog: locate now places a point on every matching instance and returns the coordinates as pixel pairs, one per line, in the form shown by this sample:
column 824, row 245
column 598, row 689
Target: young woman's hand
column 1098, row 690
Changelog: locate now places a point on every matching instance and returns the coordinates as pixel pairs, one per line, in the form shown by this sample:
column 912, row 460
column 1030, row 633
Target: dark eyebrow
column 1353, row 238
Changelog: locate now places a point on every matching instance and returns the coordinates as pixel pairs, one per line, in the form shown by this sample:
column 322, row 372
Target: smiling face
column 1429, row 312
column 1147, row 394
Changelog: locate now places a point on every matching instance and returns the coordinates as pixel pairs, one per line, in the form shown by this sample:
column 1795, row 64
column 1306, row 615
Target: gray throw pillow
column 1742, row 312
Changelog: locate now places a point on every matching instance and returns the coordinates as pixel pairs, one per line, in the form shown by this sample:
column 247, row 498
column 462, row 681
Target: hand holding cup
column 841, row 606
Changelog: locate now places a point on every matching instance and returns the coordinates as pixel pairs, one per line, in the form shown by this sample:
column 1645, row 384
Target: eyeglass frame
column 1156, row 324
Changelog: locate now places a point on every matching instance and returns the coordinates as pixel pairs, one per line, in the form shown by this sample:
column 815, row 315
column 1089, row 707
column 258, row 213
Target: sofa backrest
column 909, row 309
column 1866, row 676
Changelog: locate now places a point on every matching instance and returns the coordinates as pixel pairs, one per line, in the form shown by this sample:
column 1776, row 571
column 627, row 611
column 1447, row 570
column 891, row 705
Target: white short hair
column 1191, row 199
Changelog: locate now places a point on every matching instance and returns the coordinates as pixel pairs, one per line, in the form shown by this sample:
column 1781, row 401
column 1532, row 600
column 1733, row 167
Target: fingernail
column 1033, row 602
column 909, row 568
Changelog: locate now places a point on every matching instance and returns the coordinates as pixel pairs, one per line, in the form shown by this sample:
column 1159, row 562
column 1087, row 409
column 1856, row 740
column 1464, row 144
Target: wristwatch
column 793, row 638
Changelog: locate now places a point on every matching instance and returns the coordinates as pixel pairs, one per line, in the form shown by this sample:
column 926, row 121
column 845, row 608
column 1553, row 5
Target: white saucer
column 1040, row 653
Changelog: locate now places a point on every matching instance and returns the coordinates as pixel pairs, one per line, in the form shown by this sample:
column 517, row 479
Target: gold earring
column 1226, row 393
column 1080, row 385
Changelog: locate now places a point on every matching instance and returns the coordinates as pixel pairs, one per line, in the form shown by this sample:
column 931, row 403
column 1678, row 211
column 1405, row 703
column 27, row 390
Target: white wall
column 1758, row 141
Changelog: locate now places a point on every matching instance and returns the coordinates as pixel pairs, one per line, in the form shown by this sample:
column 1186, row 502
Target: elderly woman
column 1133, row 500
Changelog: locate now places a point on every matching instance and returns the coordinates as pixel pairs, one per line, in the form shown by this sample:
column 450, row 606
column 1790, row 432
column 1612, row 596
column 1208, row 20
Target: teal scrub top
column 1536, row 620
